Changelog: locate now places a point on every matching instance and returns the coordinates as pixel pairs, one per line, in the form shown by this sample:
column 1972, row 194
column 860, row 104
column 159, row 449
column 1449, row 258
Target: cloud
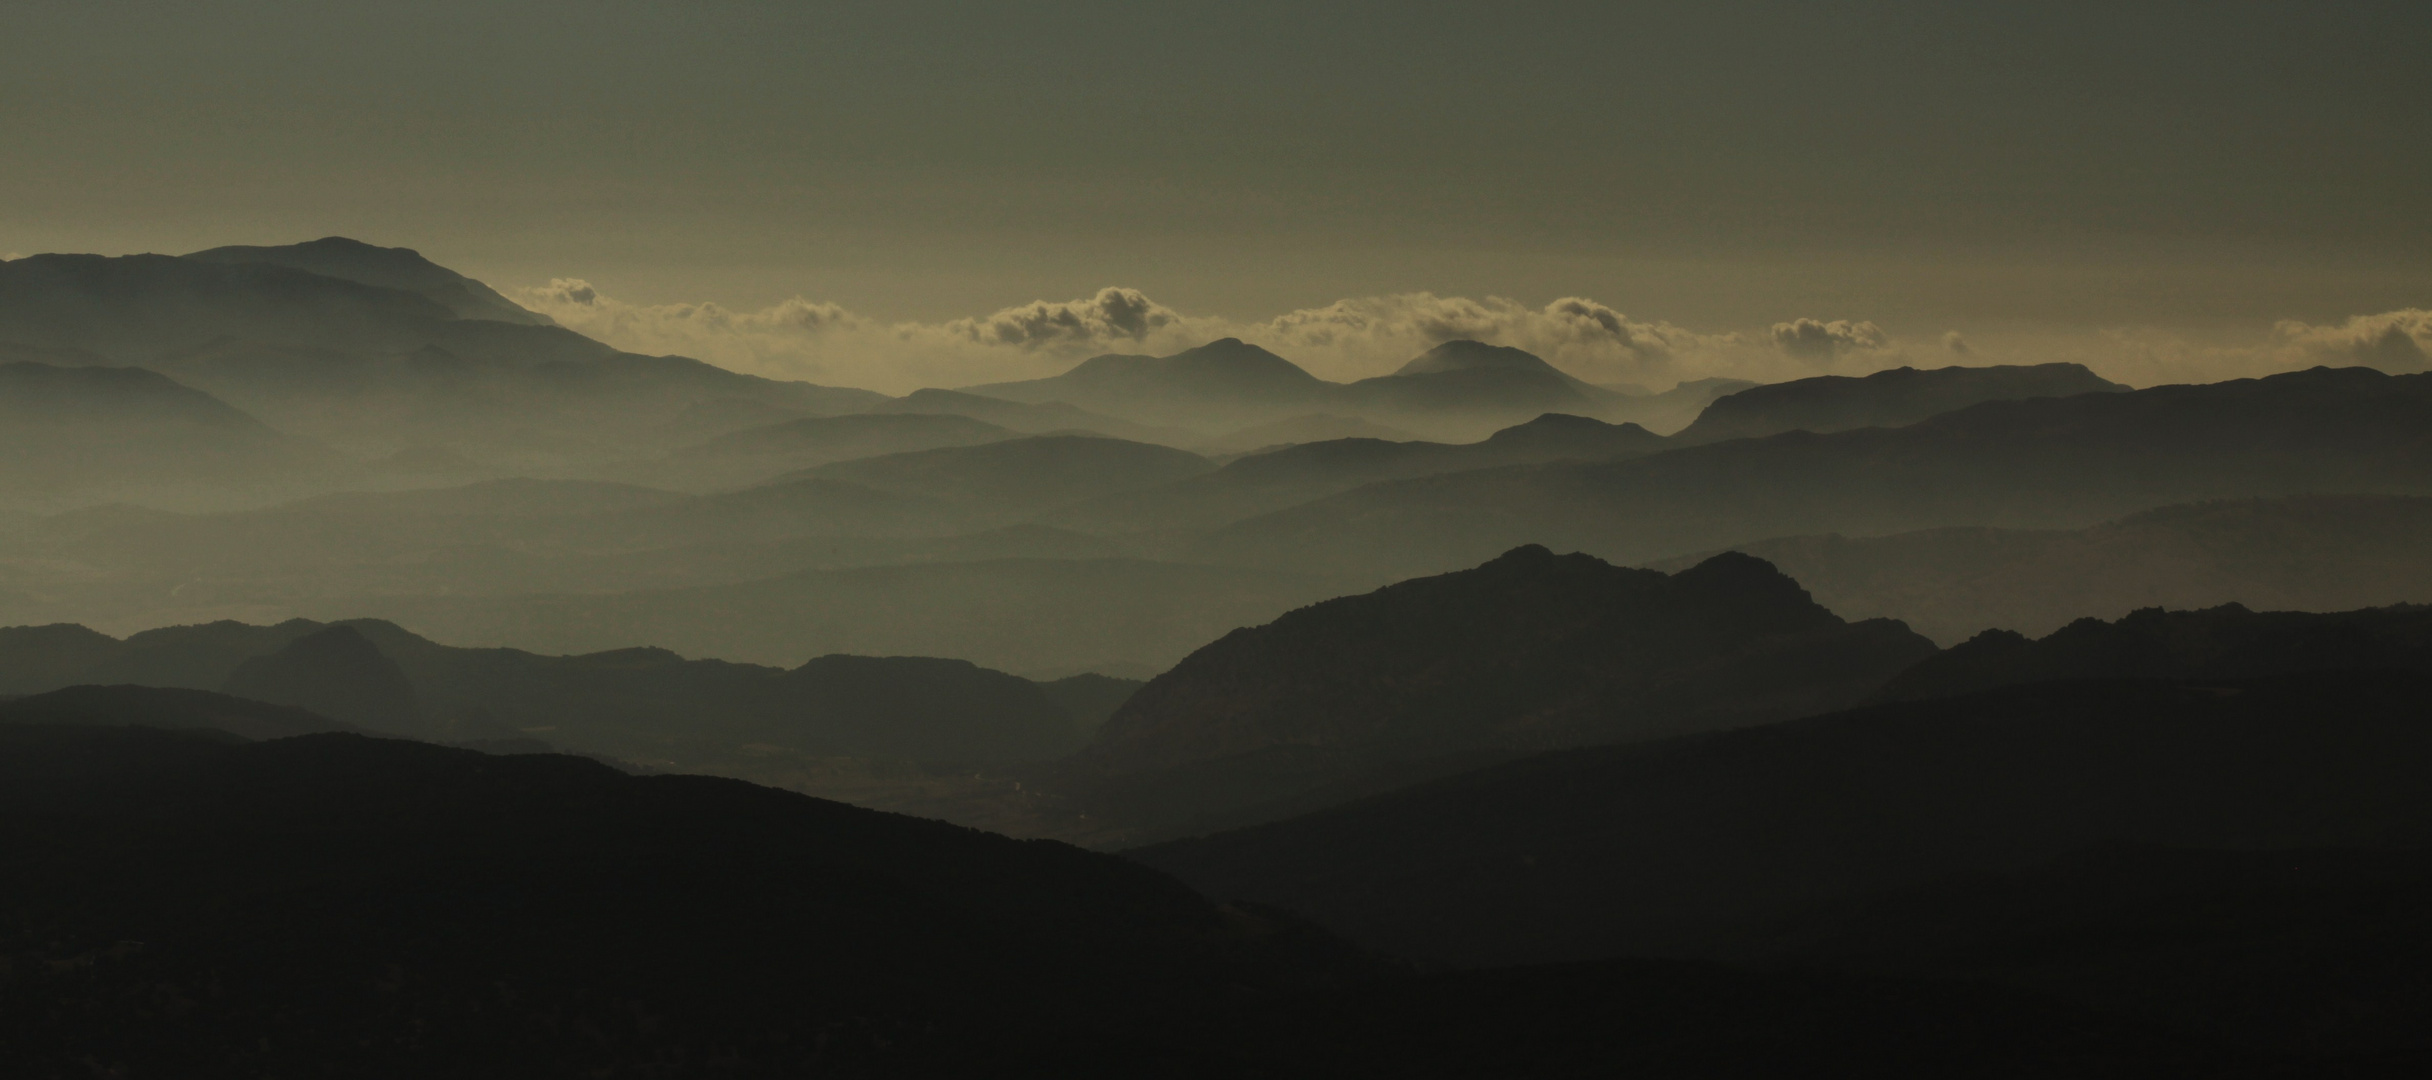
column 1823, row 342
column 1114, row 315
column 2395, row 341
column 1358, row 337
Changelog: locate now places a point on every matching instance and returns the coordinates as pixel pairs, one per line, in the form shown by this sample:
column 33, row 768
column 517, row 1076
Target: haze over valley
column 545, row 540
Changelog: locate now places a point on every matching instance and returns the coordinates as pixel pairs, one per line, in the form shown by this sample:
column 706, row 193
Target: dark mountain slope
column 365, row 366
column 1679, row 845
column 332, row 905
column 169, row 708
column 335, row 672
column 2037, row 463
column 1116, row 615
column 1894, row 398
column 1529, row 651
column 643, row 704
column 383, row 908
column 2226, row 642
column 2308, row 950
column 388, row 268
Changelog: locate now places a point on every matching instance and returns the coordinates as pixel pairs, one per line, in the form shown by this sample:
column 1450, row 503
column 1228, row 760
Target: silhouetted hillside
column 2036, row 463
column 338, row 905
column 1132, row 617
column 388, row 268
column 79, row 435
column 2314, row 951
column 367, row 367
column 2302, row 553
column 1680, row 845
column 647, row 705
column 1892, row 398
column 335, row 672
column 1670, row 411
column 168, row 708
column 2228, row 642
column 1527, row 652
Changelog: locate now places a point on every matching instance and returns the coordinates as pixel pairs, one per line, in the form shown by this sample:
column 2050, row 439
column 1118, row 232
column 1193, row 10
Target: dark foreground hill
column 1684, row 845
column 1884, row 399
column 1528, row 652
column 168, row 708
column 334, row 905
column 179, row 907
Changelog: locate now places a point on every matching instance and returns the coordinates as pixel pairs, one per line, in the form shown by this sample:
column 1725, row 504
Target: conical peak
column 1467, row 355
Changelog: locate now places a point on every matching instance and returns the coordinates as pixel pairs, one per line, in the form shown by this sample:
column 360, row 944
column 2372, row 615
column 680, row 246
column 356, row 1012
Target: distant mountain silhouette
column 1473, row 377
column 752, row 455
column 335, row 672
column 1893, row 398
column 388, row 268
column 1047, row 418
column 2035, row 463
column 1309, row 428
column 1125, row 616
column 1685, row 845
column 1529, row 651
column 72, row 435
column 2227, row 642
column 1031, row 474
column 1670, row 411
column 169, row 708
column 1223, row 383
column 1288, row 476
column 366, row 367
column 2302, row 552
column 646, row 705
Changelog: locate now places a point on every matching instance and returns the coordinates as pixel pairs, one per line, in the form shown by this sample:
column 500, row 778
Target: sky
column 875, row 193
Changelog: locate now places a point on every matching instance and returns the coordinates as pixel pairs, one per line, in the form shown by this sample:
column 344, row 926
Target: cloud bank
column 1359, row 337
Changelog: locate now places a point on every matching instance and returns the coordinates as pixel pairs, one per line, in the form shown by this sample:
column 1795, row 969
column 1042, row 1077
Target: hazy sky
column 2202, row 169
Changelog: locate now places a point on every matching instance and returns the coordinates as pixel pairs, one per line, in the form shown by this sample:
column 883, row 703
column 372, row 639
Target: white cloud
column 1820, row 342
column 1363, row 336
column 2395, row 341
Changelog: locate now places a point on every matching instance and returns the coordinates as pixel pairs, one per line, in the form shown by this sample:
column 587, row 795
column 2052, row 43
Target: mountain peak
column 1463, row 354
column 405, row 269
